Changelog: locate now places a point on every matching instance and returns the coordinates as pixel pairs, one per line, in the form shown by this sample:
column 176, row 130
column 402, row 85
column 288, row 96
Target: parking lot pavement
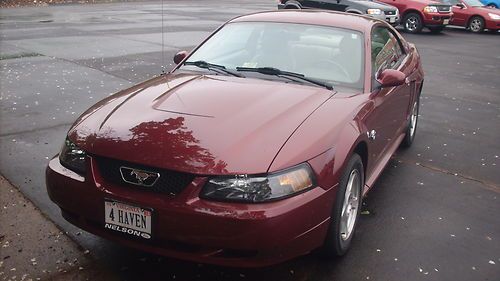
column 33, row 248
column 460, row 106
column 433, row 214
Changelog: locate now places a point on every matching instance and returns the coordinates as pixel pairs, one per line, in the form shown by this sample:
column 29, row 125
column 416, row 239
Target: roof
column 314, row 17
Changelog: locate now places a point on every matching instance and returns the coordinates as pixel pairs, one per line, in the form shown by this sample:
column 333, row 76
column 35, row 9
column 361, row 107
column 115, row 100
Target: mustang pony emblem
column 139, row 177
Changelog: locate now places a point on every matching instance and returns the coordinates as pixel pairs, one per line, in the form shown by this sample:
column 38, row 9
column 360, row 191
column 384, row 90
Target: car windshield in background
column 472, row 3
column 332, row 55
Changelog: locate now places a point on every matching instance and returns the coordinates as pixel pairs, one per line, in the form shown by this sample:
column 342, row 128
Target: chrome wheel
column 412, row 23
column 476, row 25
column 345, row 211
column 411, row 128
column 413, row 120
column 350, row 206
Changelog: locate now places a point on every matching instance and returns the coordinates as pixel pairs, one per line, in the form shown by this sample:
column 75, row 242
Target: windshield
column 323, row 53
column 473, row 3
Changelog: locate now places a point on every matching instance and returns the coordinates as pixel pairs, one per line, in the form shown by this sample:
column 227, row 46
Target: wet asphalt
column 432, row 215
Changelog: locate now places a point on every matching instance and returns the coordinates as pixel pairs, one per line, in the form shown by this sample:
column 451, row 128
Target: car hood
column 199, row 124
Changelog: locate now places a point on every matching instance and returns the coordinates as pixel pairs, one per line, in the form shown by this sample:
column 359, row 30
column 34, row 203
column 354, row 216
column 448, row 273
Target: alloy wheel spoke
column 350, row 205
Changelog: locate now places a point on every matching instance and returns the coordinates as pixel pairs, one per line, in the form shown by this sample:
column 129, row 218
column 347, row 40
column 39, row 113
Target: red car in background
column 258, row 147
column 474, row 15
column 417, row 14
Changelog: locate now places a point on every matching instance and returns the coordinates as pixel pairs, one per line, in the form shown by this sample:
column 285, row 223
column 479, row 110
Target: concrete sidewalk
column 33, row 248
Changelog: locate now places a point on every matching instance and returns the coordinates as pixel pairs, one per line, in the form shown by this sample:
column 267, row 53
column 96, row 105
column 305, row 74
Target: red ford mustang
column 257, row 148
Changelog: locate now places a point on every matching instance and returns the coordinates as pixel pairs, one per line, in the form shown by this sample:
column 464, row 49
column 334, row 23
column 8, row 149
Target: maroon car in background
column 258, row 147
column 474, row 15
column 417, row 14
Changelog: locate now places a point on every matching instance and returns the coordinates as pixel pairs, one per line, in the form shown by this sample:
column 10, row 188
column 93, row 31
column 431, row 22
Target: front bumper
column 187, row 227
column 492, row 24
column 437, row 19
column 391, row 19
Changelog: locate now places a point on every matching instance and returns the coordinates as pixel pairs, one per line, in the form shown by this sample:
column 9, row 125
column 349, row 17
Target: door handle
column 408, row 81
column 371, row 135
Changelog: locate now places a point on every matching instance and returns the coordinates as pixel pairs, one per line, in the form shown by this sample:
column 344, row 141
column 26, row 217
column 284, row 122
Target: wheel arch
column 362, row 150
column 292, row 5
column 410, row 11
column 475, row 16
column 421, row 88
column 354, row 11
column 354, row 140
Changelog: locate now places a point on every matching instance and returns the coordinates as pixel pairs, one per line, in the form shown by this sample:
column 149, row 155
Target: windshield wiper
column 286, row 74
column 213, row 67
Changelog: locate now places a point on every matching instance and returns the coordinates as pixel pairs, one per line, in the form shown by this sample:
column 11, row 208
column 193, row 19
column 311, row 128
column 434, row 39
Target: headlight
column 374, row 11
column 494, row 16
column 430, row 9
column 249, row 188
column 72, row 157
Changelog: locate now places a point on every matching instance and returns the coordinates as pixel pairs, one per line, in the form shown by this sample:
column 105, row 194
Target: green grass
column 19, row 55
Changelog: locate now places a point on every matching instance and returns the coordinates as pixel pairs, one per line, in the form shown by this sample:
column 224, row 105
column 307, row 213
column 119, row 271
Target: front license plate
column 392, row 20
column 127, row 219
column 446, row 21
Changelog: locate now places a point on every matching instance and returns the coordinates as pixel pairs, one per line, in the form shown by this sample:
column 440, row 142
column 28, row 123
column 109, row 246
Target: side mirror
column 460, row 5
column 391, row 78
column 180, row 56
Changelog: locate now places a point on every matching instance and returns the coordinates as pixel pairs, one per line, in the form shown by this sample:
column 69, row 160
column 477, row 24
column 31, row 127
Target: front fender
column 326, row 139
column 330, row 165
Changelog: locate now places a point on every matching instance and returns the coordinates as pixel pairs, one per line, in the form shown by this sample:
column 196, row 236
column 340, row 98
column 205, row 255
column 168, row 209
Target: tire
column 341, row 230
column 436, row 30
column 476, row 24
column 412, row 125
column 412, row 23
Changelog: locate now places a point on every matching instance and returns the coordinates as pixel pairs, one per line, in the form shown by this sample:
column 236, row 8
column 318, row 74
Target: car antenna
column 162, row 41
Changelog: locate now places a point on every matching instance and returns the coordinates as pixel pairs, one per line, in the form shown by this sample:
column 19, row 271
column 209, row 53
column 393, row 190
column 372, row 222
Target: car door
column 460, row 14
column 335, row 5
column 390, row 106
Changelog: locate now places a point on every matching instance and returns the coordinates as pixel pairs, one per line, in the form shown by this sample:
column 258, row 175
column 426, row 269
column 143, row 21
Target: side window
column 386, row 50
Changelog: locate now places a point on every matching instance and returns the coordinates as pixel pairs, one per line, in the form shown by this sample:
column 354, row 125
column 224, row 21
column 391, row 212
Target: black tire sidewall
column 334, row 245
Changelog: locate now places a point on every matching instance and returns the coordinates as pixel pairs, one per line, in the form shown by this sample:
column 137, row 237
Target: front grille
column 389, row 13
column 446, row 9
column 170, row 182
